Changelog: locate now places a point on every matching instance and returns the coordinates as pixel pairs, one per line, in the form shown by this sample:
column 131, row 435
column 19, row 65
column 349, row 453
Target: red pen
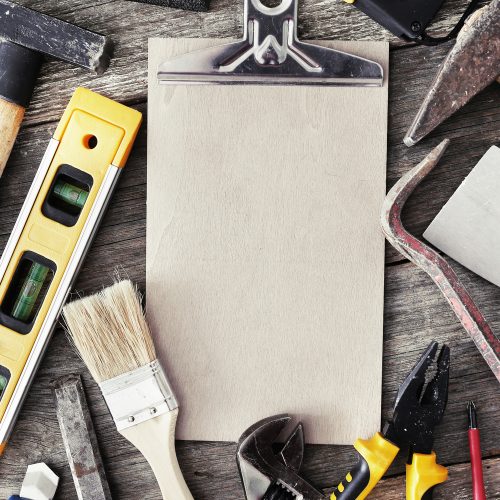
column 478, row 492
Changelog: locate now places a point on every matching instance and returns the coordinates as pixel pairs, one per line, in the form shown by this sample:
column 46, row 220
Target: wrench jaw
column 256, row 473
column 292, row 453
column 261, row 467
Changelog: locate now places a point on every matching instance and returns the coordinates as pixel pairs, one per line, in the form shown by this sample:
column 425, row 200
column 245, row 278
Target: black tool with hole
column 405, row 19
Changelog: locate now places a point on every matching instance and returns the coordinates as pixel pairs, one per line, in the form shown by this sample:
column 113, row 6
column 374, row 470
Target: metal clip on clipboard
column 270, row 53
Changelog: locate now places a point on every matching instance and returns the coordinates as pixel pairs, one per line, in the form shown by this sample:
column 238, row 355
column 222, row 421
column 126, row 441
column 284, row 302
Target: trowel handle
column 11, row 116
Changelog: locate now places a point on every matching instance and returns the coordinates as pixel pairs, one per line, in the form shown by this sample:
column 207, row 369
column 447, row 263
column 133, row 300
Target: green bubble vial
column 70, row 194
column 26, row 300
column 3, row 384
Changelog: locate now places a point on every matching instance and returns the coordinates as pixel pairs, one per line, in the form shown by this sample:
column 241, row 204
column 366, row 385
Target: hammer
column 25, row 36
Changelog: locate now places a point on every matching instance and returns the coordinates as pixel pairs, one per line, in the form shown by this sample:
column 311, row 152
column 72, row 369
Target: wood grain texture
column 11, row 116
column 415, row 312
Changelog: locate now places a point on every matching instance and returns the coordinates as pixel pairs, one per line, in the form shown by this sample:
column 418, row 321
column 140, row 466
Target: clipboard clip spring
column 270, row 53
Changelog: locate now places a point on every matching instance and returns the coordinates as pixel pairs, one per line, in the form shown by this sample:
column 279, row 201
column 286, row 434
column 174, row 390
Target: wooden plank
column 412, row 320
column 415, row 311
column 458, row 486
column 130, row 24
column 472, row 130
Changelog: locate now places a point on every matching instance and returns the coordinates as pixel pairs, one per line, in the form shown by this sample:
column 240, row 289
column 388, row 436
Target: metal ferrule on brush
column 138, row 395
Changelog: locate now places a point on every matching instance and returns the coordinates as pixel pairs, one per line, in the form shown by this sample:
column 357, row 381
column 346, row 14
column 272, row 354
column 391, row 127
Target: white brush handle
column 155, row 439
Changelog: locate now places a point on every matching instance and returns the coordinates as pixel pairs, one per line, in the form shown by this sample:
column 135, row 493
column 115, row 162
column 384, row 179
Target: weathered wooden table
column 415, row 312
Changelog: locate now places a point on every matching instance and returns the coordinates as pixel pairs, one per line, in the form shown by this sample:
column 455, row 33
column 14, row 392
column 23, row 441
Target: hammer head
column 56, row 38
column 261, row 468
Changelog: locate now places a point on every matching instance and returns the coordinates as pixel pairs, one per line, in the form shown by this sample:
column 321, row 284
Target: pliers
column 268, row 473
column 415, row 414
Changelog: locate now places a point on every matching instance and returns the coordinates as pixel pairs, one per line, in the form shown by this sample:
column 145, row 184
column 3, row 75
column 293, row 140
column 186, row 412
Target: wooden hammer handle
column 11, row 116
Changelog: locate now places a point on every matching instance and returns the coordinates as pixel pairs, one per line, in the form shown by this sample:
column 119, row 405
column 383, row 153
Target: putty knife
column 468, row 226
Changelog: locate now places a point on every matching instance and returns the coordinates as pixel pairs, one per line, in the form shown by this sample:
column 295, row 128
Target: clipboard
column 271, row 53
column 265, row 260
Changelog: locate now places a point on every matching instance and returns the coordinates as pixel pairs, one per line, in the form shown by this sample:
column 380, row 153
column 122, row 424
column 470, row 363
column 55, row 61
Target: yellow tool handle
column 422, row 475
column 375, row 457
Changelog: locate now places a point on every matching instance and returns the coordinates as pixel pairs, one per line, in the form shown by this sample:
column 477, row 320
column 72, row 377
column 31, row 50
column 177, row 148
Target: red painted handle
column 478, row 492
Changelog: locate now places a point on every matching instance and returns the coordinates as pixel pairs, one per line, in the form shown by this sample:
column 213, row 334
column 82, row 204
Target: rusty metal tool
column 267, row 475
column 79, row 439
column 472, row 65
column 434, row 264
column 25, row 37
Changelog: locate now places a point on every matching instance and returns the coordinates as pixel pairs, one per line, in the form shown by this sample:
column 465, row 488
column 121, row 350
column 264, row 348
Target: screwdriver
column 478, row 492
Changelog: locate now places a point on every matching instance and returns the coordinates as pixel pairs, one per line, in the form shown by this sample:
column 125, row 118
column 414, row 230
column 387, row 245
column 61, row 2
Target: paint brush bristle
column 110, row 331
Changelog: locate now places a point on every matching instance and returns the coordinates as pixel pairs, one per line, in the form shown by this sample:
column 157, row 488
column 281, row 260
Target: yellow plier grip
column 375, row 457
column 422, row 475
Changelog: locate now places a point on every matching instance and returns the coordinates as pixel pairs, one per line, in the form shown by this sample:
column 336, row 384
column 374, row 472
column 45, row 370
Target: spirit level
column 52, row 234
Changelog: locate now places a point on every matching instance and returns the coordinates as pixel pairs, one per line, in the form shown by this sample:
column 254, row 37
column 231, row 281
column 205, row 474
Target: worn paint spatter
column 434, row 264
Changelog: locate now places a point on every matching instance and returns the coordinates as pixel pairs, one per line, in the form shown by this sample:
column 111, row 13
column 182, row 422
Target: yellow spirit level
column 52, row 234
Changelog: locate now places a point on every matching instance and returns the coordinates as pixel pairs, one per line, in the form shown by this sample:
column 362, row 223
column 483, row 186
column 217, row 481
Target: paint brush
column 111, row 333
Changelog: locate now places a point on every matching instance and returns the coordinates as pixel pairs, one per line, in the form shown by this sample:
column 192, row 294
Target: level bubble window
column 26, row 292
column 67, row 195
column 4, row 380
